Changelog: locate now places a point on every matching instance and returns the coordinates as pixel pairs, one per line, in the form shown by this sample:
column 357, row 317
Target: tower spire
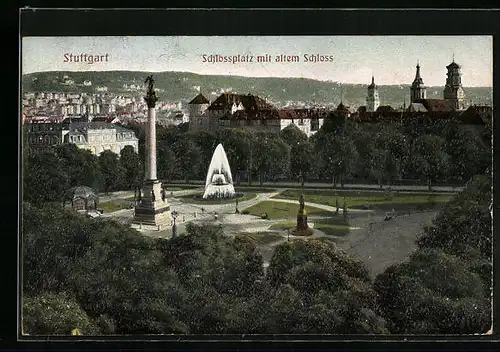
column 373, row 80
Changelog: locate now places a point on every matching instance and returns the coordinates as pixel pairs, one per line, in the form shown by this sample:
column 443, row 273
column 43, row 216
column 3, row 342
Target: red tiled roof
column 199, row 99
column 250, row 102
column 437, row 104
column 274, row 114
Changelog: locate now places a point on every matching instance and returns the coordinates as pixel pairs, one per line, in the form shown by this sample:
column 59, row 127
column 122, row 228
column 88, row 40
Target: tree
column 429, row 158
column 463, row 226
column 338, row 156
column 386, row 156
column 433, row 293
column 302, row 163
column 111, row 170
column 44, row 178
column 292, row 135
column 54, row 314
column 168, row 169
column 132, row 167
column 187, row 155
column 468, row 154
column 81, row 166
column 270, row 158
column 317, row 288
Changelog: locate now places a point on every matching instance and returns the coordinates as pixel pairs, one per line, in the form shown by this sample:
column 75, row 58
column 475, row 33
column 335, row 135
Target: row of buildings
column 95, row 136
column 252, row 112
column 245, row 111
column 57, row 106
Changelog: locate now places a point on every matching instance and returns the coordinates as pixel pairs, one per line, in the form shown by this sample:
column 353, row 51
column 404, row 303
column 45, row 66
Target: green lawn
column 174, row 189
column 333, row 226
column 258, row 189
column 197, row 198
column 114, row 205
column 279, row 210
column 357, row 199
column 264, row 237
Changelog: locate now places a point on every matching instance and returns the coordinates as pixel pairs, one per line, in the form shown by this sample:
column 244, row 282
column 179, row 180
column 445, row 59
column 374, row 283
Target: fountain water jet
column 219, row 182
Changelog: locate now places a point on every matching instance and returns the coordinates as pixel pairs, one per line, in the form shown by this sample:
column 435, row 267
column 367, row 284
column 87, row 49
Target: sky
column 354, row 59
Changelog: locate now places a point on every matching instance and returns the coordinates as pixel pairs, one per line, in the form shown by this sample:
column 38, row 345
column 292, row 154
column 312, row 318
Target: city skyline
column 349, row 59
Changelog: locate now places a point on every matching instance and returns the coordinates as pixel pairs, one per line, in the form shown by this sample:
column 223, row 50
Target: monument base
column 152, row 210
column 302, row 229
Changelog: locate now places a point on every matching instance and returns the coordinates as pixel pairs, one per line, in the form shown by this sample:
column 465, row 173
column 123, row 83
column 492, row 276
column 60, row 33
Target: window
column 314, row 124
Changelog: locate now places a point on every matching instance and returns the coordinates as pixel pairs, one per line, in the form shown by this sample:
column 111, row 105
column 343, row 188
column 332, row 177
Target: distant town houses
column 252, row 112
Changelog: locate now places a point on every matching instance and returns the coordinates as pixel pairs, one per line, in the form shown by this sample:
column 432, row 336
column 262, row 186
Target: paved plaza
column 379, row 243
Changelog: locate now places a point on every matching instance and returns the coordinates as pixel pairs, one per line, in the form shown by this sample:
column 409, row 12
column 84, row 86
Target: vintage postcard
column 334, row 185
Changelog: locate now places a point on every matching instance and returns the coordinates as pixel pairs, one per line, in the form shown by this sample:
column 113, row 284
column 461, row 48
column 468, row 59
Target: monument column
column 153, row 209
column 151, row 172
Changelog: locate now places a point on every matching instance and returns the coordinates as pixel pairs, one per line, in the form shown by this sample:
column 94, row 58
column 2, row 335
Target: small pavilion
column 82, row 198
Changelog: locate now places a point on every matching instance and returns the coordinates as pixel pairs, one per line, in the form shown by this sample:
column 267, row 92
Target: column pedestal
column 152, row 210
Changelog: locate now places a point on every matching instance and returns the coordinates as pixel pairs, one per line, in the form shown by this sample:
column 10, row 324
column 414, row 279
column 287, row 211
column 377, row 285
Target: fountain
column 219, row 182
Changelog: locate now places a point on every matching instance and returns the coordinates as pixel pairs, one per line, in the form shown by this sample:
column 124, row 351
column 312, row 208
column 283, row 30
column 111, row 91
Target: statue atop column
column 150, row 97
column 149, row 211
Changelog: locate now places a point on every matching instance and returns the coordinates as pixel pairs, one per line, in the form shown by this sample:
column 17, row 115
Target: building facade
column 94, row 136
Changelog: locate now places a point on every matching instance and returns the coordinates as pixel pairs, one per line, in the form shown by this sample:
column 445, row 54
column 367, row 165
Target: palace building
column 250, row 112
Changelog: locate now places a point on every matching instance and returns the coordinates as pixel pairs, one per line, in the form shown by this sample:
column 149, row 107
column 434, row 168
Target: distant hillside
column 180, row 86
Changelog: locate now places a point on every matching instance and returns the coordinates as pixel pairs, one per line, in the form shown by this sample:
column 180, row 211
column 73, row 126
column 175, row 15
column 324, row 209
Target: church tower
column 372, row 100
column 453, row 89
column 417, row 90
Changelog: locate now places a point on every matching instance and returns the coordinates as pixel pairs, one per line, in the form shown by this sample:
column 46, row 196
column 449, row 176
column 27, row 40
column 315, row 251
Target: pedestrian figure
column 163, row 194
column 153, row 196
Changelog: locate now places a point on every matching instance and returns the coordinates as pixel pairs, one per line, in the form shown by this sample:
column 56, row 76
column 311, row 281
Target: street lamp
column 174, row 227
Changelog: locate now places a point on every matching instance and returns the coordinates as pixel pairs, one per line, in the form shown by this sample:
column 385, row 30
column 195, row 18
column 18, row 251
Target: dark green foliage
column 112, row 171
column 187, row 154
column 302, row 163
column 434, row 293
column 292, row 135
column 132, row 167
column 429, row 158
column 270, row 157
column 44, row 178
column 168, row 169
column 463, row 227
column 55, row 314
column 316, row 288
column 80, row 166
column 337, row 156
